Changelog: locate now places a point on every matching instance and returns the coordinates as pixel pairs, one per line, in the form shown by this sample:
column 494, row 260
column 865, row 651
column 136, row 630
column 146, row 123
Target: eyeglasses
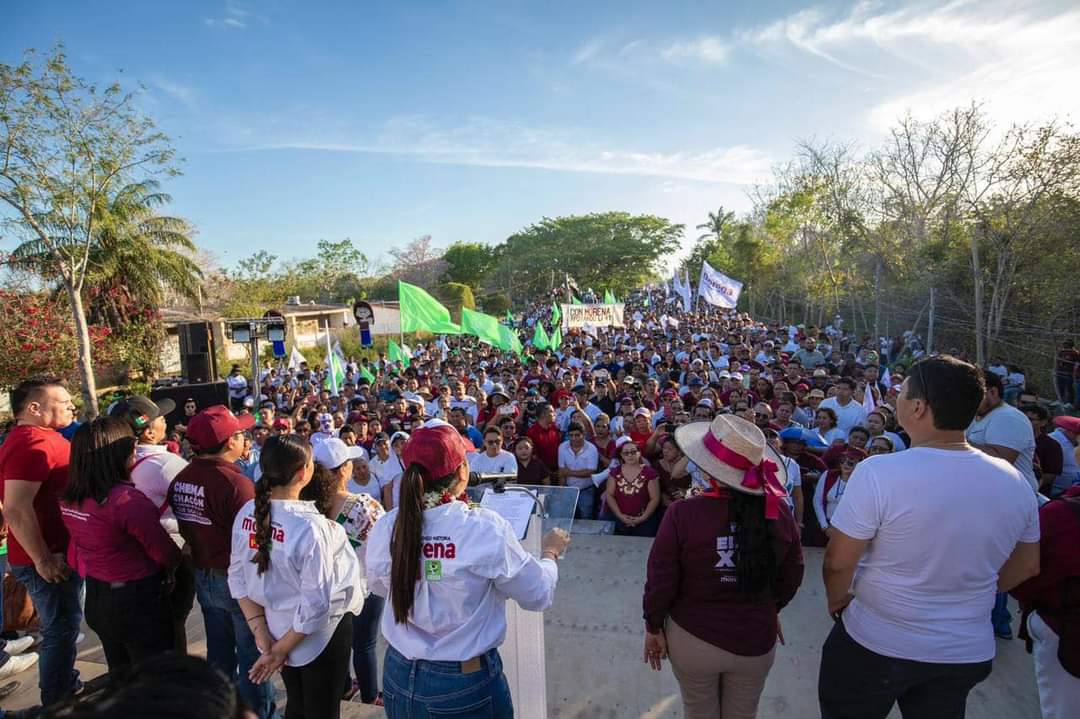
column 630, row 451
column 760, row 415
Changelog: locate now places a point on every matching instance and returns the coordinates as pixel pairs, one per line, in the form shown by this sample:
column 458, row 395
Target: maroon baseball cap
column 1069, row 424
column 438, row 448
column 216, row 424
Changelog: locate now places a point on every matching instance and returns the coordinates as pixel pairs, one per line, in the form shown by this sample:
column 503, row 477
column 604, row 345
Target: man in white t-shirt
column 849, row 413
column 238, row 386
column 921, row 542
column 494, row 459
column 1002, row 431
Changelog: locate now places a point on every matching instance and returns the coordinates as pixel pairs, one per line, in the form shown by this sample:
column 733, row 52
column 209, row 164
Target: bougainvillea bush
column 37, row 337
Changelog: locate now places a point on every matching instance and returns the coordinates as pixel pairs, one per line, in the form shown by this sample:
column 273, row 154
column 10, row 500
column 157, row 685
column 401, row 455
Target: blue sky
column 470, row 120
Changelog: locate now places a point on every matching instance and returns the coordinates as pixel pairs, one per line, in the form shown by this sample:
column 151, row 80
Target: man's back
column 941, row 523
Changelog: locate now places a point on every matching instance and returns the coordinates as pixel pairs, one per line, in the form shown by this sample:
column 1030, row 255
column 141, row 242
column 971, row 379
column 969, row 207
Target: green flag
column 647, row 302
column 540, row 338
column 394, row 354
column 509, row 317
column 609, row 297
column 510, row 340
column 555, row 341
column 366, row 374
column 575, row 301
column 556, row 315
column 333, row 367
column 422, row 312
column 484, row 327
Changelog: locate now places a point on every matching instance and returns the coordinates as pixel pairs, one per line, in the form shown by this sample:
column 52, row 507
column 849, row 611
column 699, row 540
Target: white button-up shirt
column 585, row 458
column 313, row 580
column 154, row 470
column 471, row 563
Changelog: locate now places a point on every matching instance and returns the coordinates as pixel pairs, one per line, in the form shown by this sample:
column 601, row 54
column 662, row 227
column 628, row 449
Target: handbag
column 19, row 612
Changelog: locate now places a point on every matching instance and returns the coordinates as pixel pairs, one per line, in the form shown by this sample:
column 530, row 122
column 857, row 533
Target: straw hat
column 714, row 446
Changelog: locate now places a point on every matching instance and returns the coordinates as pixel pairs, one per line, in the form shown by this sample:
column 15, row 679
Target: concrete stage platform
column 594, row 645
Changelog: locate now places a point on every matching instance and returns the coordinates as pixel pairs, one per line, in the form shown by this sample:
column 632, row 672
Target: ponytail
column 263, row 535
column 405, row 542
column 281, row 458
column 755, row 562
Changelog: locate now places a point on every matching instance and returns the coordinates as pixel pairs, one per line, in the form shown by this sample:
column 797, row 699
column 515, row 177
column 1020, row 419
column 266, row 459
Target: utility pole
column 877, row 298
column 930, row 326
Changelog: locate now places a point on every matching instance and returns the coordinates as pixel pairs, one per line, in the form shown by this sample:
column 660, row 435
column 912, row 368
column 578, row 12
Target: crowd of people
column 297, row 512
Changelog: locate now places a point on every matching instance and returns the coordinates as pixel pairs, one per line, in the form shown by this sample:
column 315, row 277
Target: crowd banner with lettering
column 718, row 289
column 598, row 315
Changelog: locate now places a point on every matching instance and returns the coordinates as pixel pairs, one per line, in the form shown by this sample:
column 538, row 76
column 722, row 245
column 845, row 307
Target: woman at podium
column 446, row 569
column 723, row 564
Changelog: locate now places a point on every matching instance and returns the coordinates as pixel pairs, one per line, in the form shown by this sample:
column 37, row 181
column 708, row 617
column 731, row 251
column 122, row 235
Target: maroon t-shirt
column 36, row 454
column 1060, row 536
column 205, row 497
column 691, row 577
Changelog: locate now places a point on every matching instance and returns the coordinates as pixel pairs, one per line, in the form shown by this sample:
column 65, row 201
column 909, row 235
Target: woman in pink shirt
column 118, row 545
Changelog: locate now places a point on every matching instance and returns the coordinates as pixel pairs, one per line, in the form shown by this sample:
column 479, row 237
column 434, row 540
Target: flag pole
column 330, row 362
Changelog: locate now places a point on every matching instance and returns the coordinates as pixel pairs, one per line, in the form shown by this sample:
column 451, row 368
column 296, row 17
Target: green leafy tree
column 468, row 263
column 454, row 296
column 613, row 250
column 66, row 146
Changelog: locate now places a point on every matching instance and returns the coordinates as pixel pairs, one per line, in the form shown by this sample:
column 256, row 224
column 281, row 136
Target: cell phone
column 669, row 427
column 505, row 409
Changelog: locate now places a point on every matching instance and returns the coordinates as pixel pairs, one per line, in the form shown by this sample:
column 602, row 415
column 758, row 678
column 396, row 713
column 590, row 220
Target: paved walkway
column 594, row 642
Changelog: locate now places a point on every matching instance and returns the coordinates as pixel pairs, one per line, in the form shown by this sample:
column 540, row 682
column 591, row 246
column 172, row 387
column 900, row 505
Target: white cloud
column 1020, row 63
column 492, row 143
column 178, row 91
column 706, row 49
column 235, row 17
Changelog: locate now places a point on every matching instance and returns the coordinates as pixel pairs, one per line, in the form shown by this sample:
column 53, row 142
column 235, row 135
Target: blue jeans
column 364, row 638
column 60, row 610
column 230, row 645
column 430, row 690
column 1000, row 616
column 586, row 503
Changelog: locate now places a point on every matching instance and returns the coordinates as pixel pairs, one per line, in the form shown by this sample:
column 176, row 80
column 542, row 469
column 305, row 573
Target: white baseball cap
column 332, row 453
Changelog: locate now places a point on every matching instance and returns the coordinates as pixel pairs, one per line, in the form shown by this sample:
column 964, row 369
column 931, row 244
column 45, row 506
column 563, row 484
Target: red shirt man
column 546, row 436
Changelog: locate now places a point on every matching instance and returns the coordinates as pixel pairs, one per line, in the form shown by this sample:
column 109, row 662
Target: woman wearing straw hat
column 723, row 564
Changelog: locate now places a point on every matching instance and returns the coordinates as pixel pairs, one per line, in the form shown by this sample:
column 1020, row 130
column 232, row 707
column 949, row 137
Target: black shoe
column 1007, row 634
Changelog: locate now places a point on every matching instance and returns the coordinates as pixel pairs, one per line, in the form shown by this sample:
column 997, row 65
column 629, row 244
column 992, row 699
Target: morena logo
column 439, row 550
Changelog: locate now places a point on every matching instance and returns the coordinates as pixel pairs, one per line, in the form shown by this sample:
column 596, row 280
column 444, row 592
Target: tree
column 496, row 304
column 454, row 296
column 468, row 263
column 419, row 263
column 716, row 223
column 36, row 338
column 613, row 250
column 65, row 145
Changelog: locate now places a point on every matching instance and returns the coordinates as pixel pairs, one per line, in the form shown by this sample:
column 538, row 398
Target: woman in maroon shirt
column 633, row 493
column 723, row 564
column 118, row 545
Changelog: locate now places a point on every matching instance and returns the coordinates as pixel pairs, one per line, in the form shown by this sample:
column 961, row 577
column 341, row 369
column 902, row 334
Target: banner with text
column 576, row 316
column 718, row 289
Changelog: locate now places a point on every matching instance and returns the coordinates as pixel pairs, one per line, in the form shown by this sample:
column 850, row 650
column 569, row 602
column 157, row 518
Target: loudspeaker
column 206, row 394
column 197, row 360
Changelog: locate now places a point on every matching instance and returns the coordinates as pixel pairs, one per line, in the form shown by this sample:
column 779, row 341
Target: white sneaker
column 18, row 646
column 18, row 664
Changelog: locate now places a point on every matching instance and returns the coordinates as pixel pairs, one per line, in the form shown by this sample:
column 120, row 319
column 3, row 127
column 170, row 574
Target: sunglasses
column 629, row 451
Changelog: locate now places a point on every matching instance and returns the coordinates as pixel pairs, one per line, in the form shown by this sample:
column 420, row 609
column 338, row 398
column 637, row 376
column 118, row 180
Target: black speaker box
column 197, row 357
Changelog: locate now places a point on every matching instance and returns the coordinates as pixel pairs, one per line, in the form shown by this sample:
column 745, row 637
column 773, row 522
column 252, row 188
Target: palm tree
column 715, row 225
column 139, row 255
column 135, row 255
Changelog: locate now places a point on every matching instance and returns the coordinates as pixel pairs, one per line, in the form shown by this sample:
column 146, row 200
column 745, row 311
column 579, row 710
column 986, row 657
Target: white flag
column 718, row 289
column 295, row 358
